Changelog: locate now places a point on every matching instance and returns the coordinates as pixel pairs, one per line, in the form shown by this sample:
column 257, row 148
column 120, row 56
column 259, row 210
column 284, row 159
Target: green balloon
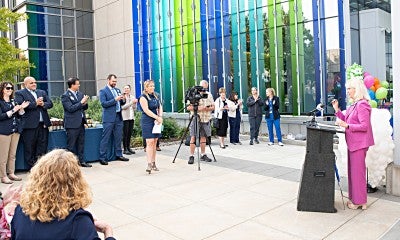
column 385, row 84
column 381, row 93
column 373, row 103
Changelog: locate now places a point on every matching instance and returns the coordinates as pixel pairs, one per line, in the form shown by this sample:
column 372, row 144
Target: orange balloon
column 376, row 81
column 377, row 86
column 373, row 88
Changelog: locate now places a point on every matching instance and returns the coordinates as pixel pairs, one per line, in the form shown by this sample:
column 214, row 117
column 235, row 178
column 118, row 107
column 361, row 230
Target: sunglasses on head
column 9, row 88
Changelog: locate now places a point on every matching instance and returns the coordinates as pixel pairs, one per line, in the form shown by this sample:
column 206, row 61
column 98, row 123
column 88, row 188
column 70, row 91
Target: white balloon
column 381, row 154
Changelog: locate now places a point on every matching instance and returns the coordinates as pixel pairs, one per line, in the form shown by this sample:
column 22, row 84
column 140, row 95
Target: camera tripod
column 196, row 120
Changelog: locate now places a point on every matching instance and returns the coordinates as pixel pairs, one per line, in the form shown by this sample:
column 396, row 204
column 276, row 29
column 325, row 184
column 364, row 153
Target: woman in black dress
column 221, row 112
column 151, row 114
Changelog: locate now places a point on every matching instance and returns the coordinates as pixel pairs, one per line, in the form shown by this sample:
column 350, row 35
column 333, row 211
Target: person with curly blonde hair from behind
column 53, row 201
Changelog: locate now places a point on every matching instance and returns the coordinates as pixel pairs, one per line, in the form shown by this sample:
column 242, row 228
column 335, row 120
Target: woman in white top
column 128, row 117
column 222, row 106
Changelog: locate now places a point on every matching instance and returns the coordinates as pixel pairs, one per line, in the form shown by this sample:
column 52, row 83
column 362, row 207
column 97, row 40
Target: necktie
column 114, row 92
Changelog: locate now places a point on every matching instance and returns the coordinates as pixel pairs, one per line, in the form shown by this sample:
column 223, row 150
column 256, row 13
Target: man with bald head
column 206, row 106
column 35, row 121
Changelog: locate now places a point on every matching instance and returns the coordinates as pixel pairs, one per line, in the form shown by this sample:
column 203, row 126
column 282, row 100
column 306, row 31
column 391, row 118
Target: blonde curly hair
column 55, row 187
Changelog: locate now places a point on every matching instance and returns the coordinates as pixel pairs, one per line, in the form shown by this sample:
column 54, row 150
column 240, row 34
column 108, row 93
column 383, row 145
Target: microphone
column 320, row 107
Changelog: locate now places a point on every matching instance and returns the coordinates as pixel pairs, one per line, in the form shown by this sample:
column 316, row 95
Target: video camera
column 194, row 94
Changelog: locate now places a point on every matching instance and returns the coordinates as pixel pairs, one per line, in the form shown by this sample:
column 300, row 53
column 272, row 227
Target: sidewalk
column 249, row 193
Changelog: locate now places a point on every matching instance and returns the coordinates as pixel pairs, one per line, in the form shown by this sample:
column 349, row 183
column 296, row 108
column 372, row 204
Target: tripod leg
column 209, row 144
column 183, row 138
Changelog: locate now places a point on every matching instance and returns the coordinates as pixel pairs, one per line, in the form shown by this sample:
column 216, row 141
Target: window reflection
column 84, row 24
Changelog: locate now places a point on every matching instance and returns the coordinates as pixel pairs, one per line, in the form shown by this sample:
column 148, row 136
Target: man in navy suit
column 111, row 100
column 75, row 104
column 35, row 121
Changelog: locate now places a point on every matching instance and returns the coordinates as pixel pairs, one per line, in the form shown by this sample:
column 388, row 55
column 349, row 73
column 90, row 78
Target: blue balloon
column 371, row 94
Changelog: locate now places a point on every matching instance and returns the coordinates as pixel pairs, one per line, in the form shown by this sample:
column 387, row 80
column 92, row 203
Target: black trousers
column 35, row 143
column 255, row 123
column 76, row 141
column 127, row 133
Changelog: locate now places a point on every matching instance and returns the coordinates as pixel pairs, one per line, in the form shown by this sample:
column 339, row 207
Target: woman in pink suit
column 357, row 123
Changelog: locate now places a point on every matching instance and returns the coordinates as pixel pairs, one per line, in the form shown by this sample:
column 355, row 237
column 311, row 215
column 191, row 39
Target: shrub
column 57, row 111
column 171, row 128
column 94, row 111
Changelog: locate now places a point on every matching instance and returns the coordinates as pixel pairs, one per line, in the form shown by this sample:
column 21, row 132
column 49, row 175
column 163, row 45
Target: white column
column 396, row 77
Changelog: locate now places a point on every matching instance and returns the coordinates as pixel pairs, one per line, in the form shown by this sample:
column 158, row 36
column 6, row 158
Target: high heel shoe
column 148, row 169
column 154, row 167
column 6, row 180
column 14, row 177
column 353, row 206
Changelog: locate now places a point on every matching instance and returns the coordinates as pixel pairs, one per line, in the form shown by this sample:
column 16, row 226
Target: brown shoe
column 14, row 177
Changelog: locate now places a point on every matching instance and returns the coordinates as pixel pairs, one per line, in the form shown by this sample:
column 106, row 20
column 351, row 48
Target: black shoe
column 191, row 160
column 371, row 189
column 251, row 142
column 256, row 140
column 122, row 158
column 240, row 143
column 126, row 152
column 103, row 162
column 131, row 151
column 205, row 158
column 158, row 149
column 83, row 164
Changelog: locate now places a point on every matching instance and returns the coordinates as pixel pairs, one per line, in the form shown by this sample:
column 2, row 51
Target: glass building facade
column 57, row 38
column 294, row 46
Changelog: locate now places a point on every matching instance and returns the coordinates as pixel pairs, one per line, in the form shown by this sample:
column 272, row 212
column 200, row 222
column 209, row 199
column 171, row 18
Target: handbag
column 215, row 122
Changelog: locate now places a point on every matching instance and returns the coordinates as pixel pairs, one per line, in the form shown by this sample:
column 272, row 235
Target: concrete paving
column 249, row 193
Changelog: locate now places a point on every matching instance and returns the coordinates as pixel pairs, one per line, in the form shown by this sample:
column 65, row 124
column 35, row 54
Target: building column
column 393, row 171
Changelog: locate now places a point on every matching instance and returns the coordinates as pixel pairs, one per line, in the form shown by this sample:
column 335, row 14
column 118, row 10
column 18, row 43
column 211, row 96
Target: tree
column 12, row 59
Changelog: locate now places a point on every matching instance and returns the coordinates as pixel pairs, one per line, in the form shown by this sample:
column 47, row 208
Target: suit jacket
column 359, row 134
column 7, row 123
column 109, row 104
column 74, row 110
column 254, row 106
column 32, row 113
column 275, row 107
column 128, row 108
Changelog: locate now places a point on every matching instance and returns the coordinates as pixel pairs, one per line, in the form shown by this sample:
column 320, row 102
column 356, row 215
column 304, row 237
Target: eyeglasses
column 9, row 88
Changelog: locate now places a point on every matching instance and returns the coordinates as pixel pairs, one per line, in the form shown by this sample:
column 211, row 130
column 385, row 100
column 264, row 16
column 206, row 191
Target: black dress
column 147, row 123
column 223, row 123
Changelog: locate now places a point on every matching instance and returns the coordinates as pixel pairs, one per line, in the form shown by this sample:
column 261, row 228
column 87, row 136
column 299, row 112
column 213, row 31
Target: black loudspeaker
column 317, row 185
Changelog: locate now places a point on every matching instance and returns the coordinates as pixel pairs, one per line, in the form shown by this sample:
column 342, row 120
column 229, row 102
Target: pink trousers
column 357, row 176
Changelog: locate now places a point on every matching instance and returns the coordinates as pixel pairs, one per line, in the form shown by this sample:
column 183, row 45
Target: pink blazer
column 359, row 134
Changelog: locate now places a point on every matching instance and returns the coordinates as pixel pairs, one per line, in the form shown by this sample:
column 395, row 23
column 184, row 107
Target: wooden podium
column 317, row 185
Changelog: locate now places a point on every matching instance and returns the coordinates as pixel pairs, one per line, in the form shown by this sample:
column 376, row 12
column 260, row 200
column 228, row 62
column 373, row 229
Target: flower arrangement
column 354, row 71
column 7, row 206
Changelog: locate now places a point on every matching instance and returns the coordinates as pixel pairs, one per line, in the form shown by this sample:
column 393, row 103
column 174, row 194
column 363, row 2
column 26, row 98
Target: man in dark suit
column 111, row 100
column 35, row 121
column 75, row 104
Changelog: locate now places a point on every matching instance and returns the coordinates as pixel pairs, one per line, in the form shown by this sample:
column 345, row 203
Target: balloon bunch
column 377, row 90
column 380, row 154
